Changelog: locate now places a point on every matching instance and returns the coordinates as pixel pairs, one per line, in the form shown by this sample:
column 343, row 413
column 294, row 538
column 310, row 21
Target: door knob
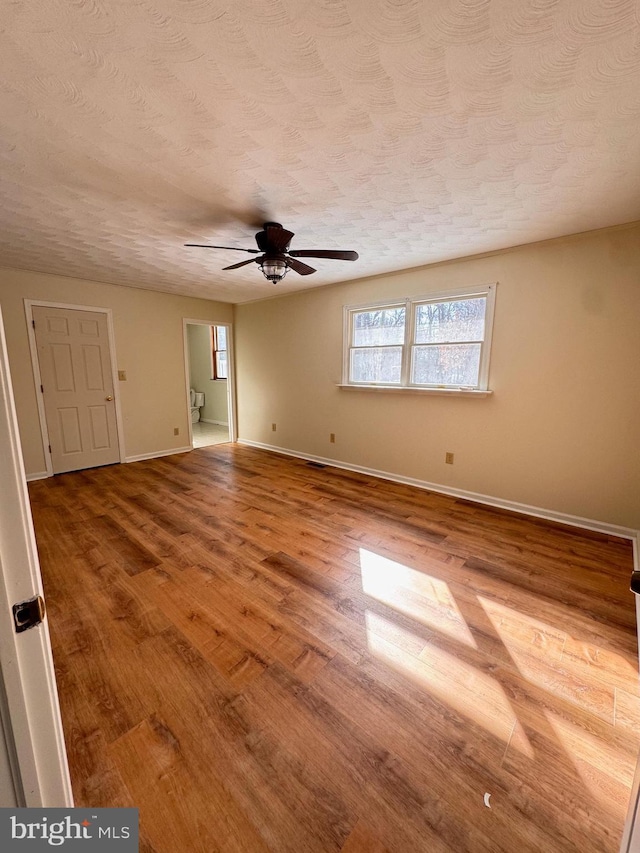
column 109, row 398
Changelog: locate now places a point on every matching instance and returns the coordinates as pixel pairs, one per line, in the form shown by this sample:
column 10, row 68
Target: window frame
column 214, row 354
column 401, row 303
column 411, row 304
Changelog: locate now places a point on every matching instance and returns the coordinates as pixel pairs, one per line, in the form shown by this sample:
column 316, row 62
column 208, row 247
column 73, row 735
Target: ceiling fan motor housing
column 273, row 239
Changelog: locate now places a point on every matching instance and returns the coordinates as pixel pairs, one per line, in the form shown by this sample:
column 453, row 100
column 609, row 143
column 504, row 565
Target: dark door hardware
column 28, row 614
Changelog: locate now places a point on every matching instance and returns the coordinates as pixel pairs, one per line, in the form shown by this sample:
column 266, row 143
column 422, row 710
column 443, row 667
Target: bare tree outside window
column 448, row 342
column 378, row 337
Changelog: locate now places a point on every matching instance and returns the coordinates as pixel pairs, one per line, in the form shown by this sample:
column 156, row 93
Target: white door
column 31, row 740
column 77, row 387
column 8, row 794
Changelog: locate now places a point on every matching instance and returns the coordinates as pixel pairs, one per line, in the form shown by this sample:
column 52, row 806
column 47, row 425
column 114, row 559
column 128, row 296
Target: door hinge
column 28, row 614
column 50, row 451
column 42, row 389
column 33, row 323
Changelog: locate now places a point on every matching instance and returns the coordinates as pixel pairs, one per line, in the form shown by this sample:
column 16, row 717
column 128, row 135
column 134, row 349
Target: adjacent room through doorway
column 208, row 383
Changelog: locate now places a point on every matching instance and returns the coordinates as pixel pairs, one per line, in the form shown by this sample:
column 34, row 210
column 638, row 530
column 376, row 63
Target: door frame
column 29, row 706
column 29, row 304
column 231, row 379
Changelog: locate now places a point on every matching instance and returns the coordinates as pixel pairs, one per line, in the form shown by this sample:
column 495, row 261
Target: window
column 219, row 348
column 377, row 339
column 438, row 342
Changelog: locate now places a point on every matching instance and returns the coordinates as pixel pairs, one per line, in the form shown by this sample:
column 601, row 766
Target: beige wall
column 215, row 407
column 149, row 346
column 560, row 431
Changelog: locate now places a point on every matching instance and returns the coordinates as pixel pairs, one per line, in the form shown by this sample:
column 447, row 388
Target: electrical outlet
column 448, row 458
column 176, row 430
column 332, row 437
column 122, row 375
column 273, row 427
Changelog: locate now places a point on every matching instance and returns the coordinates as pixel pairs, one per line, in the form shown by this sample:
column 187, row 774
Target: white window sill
column 447, row 392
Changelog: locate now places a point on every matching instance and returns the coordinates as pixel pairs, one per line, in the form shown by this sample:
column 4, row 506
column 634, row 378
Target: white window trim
column 418, row 389
column 214, row 353
column 410, row 304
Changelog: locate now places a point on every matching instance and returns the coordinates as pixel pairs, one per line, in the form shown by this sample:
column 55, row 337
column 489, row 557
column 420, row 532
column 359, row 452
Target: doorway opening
column 208, row 368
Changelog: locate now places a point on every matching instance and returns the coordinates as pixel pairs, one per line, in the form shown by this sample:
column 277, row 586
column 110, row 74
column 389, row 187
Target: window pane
column 221, row 365
column 378, row 327
column 221, row 333
column 456, row 364
column 455, row 320
column 376, row 364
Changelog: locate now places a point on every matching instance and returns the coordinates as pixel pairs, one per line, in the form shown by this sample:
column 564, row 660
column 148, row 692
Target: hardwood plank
column 383, row 703
column 279, row 794
column 267, row 656
column 245, row 617
column 214, row 637
column 194, row 817
column 390, row 793
column 361, row 840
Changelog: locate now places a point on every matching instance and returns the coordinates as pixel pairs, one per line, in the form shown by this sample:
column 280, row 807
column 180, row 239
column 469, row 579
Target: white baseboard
column 218, row 423
column 42, row 475
column 142, row 456
column 488, row 500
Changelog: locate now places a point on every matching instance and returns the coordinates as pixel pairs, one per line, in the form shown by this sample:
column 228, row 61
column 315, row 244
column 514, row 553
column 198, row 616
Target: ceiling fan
column 276, row 259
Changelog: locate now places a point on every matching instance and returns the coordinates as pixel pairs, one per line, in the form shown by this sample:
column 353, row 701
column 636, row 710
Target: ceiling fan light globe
column 274, row 269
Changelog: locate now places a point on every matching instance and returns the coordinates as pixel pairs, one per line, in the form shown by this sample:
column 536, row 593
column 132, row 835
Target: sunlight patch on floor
column 472, row 693
column 592, row 757
column 523, row 636
column 539, row 651
column 420, row 596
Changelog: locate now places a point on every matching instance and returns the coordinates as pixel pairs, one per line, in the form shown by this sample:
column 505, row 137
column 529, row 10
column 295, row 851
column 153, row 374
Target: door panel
column 62, row 367
column 93, row 368
column 99, row 422
column 70, row 430
column 77, row 380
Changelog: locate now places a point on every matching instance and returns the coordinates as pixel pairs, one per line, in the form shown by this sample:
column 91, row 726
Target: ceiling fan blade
column 324, row 253
column 232, row 248
column 277, row 236
column 298, row 266
column 243, row 264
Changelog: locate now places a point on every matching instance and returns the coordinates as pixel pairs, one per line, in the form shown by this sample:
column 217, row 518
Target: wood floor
column 263, row 655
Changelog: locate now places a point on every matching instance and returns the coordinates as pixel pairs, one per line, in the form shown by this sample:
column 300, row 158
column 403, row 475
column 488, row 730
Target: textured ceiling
column 409, row 130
